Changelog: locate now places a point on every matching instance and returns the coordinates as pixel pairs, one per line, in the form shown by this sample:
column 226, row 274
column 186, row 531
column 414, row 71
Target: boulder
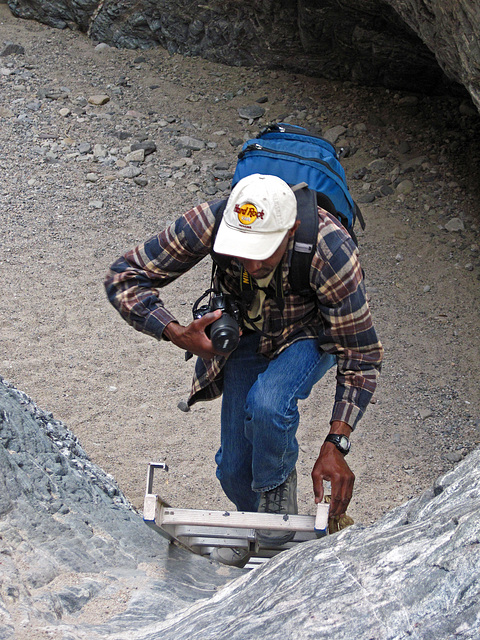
column 79, row 563
column 74, row 553
column 401, row 44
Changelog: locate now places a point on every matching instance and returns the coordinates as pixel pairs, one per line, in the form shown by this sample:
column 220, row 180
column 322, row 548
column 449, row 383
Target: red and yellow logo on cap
column 248, row 213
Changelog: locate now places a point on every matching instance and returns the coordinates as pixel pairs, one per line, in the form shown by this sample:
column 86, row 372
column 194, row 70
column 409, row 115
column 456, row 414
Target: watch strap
column 336, row 439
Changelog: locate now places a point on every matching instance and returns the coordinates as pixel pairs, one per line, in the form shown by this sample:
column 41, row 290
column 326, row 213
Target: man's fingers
column 342, row 489
column 208, row 318
column 318, row 490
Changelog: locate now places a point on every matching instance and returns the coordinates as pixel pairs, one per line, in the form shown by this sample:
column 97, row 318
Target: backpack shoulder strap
column 305, row 241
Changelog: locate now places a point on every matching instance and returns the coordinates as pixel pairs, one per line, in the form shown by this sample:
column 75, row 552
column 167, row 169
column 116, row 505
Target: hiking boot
column 282, row 499
column 233, row 556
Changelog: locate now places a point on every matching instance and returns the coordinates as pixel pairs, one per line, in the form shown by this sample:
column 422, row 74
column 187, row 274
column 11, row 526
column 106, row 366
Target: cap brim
column 247, row 244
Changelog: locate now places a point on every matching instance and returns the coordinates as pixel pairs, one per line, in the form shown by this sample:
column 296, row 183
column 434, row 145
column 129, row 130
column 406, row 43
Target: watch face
column 344, row 443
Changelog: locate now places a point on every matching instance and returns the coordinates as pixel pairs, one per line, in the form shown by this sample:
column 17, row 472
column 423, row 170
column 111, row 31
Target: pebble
column 425, row 413
column 427, row 288
column 366, row 198
column 455, row 224
column 187, row 142
column 333, row 134
column 84, row 147
column 136, row 156
column 92, row 177
column 129, row 172
column 99, row 151
column 404, row 187
column 99, row 99
column 454, row 456
column 378, row 165
column 251, row 113
column 408, row 101
column 12, row 49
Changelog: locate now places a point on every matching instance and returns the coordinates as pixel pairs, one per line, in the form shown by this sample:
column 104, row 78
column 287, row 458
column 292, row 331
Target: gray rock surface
column 408, row 45
column 78, row 562
column 73, row 552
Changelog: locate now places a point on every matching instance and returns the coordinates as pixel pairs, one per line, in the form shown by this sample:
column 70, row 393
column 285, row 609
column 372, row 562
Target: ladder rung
column 155, row 510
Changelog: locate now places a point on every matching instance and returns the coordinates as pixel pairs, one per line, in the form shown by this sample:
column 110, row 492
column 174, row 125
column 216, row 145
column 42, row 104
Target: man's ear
column 291, row 231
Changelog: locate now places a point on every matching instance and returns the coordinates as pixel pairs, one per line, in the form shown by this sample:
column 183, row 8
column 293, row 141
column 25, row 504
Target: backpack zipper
column 259, row 147
column 294, row 130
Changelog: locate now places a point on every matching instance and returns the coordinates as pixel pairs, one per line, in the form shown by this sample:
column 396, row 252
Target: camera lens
column 224, row 334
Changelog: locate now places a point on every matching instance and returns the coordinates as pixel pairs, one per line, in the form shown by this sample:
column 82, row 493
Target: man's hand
column 331, row 466
column 193, row 337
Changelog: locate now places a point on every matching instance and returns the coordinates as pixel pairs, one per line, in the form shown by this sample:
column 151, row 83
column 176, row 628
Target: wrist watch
column 340, row 441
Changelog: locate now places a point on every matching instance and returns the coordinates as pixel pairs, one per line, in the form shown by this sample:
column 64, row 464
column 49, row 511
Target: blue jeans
column 260, row 417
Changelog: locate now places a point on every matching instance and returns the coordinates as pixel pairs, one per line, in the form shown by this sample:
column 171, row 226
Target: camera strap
column 249, row 288
column 248, row 291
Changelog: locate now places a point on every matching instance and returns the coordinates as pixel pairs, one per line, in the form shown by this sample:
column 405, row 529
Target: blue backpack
column 299, row 156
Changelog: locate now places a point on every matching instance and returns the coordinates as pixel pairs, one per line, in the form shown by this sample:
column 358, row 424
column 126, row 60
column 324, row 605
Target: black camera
column 224, row 332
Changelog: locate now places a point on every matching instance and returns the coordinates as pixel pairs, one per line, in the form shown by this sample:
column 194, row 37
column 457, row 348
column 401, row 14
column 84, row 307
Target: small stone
column 404, row 147
column 333, row 134
column 455, row 224
column 386, row 190
column 96, row 204
column 64, row 112
column 427, row 288
column 469, row 266
column 92, row 177
column 379, row 164
column 183, row 406
column 187, row 142
column 454, row 456
column 404, row 187
column 100, row 151
column 12, row 49
column 425, row 413
column 399, row 257
column 84, row 148
column 136, row 156
column 130, row 172
column 413, row 164
column 408, row 101
column 148, row 147
column 141, row 181
column 366, row 198
column 99, row 99
column 251, row 113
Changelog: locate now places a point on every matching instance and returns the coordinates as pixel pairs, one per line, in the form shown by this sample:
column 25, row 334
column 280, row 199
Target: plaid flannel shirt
column 336, row 314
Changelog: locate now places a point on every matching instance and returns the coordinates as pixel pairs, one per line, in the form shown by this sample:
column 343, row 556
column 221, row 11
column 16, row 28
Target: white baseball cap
column 259, row 212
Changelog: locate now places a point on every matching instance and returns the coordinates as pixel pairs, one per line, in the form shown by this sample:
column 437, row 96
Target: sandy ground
column 62, row 343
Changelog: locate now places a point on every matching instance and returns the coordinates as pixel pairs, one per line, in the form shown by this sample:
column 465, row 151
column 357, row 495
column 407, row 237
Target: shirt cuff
column 157, row 321
column 347, row 412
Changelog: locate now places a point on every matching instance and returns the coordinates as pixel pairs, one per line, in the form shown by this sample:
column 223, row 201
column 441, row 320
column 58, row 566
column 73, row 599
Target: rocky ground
column 101, row 148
